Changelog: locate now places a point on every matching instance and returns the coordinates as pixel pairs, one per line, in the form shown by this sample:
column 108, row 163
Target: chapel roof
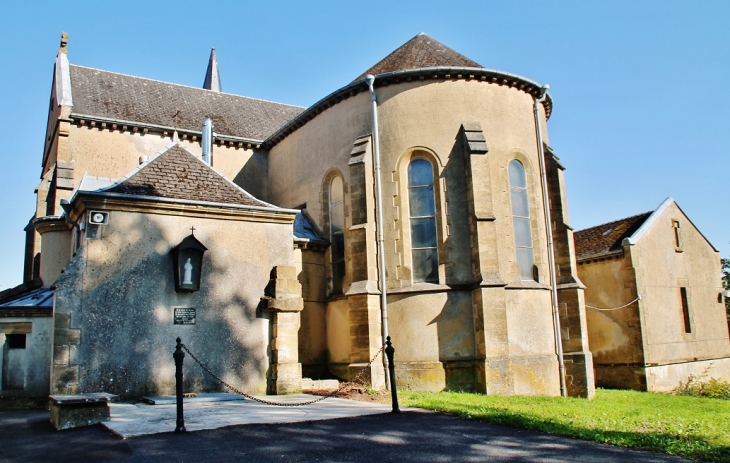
column 176, row 173
column 422, row 51
column 124, row 98
column 305, row 231
column 607, row 238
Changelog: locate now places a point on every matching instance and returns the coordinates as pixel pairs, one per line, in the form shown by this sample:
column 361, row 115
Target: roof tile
column 178, row 174
column 135, row 99
column 422, row 51
column 606, row 238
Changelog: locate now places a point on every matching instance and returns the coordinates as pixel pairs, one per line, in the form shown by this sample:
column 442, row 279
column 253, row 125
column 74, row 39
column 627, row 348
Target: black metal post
column 389, row 351
column 179, row 355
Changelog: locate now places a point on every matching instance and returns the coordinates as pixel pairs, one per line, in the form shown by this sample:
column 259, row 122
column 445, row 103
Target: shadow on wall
column 253, row 176
column 126, row 318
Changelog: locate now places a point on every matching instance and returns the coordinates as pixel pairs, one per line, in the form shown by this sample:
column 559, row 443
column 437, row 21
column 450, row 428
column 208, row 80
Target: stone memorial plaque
column 184, row 316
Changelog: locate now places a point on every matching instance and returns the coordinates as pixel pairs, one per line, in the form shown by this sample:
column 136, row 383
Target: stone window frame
column 537, row 228
column 677, row 228
column 404, row 271
column 329, row 176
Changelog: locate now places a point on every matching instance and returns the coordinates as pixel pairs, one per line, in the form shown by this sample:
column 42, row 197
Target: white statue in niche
column 188, row 275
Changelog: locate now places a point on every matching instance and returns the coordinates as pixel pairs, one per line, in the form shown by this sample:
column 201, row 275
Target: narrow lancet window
column 337, row 233
column 422, row 214
column 685, row 310
column 521, row 219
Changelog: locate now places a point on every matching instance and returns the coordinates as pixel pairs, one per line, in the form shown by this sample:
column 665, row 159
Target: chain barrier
column 298, row 404
column 638, row 298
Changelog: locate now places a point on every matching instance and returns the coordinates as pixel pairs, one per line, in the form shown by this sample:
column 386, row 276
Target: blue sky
column 641, row 112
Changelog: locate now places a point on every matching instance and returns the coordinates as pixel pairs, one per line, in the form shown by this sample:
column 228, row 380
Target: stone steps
column 309, row 384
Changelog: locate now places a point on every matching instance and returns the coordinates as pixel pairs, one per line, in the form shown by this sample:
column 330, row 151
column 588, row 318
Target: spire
column 212, row 78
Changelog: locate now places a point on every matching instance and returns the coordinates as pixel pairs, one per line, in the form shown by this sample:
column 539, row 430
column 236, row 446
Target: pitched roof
column 422, row 51
column 606, row 238
column 121, row 97
column 176, row 173
column 304, row 230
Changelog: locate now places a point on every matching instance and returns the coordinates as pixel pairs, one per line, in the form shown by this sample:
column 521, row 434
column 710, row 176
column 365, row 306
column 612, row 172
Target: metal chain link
column 298, row 404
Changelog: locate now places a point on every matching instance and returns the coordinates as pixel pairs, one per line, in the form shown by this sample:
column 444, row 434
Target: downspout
column 370, row 80
column 207, row 140
column 66, row 206
column 549, row 231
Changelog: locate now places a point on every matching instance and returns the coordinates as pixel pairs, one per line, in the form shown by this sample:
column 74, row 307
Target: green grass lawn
column 690, row 427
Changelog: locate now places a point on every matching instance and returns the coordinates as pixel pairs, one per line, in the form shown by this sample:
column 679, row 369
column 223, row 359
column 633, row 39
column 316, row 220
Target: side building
column 654, row 301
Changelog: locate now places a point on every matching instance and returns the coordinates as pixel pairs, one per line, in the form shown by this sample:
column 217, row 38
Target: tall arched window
column 337, row 233
column 521, row 219
column 422, row 213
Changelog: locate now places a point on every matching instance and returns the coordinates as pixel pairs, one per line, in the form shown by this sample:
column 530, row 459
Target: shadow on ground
column 409, row 436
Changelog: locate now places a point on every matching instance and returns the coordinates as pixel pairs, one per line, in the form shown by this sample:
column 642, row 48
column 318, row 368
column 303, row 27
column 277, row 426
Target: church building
column 251, row 230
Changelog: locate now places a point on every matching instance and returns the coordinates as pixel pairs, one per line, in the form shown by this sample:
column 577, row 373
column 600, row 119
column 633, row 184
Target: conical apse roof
column 422, row 51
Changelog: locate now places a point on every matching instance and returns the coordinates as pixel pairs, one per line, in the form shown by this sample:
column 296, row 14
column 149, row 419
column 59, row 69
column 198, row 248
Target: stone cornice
column 51, row 223
column 435, row 74
column 165, row 206
column 104, row 123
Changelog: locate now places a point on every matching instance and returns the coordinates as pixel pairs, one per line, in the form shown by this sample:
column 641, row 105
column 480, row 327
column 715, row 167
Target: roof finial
column 212, row 77
column 64, row 42
column 174, row 122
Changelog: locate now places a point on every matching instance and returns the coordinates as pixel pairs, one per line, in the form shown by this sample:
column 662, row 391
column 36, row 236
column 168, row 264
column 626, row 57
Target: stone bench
column 73, row 411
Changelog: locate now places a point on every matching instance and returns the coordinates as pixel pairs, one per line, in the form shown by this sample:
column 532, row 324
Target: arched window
column 521, row 219
column 422, row 213
column 337, row 233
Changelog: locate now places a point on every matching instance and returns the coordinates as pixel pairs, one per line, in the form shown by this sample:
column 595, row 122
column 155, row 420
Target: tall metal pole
column 390, row 372
column 551, row 251
column 179, row 355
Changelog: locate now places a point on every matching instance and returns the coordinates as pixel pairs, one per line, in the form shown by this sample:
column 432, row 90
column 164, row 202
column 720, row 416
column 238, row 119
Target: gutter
column 78, row 117
column 353, row 88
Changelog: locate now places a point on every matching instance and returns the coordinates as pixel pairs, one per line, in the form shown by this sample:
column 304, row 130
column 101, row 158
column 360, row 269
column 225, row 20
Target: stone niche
column 283, row 300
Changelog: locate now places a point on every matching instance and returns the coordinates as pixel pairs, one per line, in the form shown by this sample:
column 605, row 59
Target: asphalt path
column 27, row 436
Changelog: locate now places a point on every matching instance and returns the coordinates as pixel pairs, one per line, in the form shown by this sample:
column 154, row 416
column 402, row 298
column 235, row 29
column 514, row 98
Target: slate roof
column 304, row 230
column 422, row 51
column 605, row 239
column 176, row 173
column 39, row 298
column 121, row 97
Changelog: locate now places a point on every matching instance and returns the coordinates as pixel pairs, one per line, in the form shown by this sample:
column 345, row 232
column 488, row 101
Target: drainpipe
column 66, row 206
column 207, row 140
column 370, row 80
column 549, row 231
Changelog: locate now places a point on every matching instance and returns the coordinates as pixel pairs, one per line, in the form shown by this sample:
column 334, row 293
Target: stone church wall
column 432, row 325
column 114, row 328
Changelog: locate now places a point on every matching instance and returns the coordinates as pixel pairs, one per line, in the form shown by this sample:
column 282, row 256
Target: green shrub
column 699, row 386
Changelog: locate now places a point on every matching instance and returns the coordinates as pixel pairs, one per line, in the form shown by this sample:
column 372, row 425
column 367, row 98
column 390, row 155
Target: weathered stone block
column 62, row 320
column 60, row 355
column 66, row 337
column 73, row 411
column 285, row 272
column 64, row 377
column 293, row 304
column 285, row 379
